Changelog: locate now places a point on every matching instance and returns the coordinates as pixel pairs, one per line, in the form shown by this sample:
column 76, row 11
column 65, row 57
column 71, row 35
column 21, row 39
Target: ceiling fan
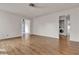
column 32, row 5
column 38, row 5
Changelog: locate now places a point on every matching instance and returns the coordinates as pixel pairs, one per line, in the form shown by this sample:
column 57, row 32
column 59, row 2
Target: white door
column 27, row 26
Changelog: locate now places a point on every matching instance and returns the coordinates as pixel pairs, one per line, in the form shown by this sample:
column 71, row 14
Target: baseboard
column 43, row 36
column 11, row 38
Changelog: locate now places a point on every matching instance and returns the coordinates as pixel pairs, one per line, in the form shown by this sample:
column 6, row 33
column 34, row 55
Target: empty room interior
column 39, row 29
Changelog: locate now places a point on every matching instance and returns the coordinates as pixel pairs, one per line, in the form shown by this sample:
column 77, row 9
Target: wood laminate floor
column 38, row 45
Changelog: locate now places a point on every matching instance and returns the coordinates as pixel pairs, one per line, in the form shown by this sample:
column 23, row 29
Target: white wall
column 10, row 25
column 48, row 25
column 45, row 26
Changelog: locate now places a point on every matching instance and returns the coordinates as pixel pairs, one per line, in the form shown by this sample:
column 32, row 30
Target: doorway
column 64, row 30
column 25, row 28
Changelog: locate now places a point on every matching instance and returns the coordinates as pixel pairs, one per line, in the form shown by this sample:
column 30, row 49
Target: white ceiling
column 40, row 9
